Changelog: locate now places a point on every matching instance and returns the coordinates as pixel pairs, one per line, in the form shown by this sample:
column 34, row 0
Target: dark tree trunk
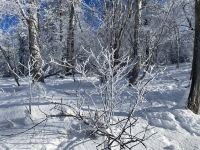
column 135, row 54
column 61, row 21
column 116, row 48
column 194, row 96
column 23, row 55
column 69, row 56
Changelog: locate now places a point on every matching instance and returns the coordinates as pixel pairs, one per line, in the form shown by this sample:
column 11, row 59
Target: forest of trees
column 149, row 32
column 111, row 40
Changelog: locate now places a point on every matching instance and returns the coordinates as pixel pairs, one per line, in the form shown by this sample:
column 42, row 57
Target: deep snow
column 163, row 109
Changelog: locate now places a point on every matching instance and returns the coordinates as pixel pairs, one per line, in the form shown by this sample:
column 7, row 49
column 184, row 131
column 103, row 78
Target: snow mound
column 162, row 119
column 188, row 121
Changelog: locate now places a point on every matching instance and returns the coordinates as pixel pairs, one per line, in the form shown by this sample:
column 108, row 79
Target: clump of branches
column 108, row 96
column 120, row 134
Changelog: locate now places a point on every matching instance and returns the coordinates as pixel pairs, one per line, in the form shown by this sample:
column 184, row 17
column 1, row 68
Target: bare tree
column 61, row 20
column 109, row 93
column 10, row 66
column 33, row 43
column 69, row 55
column 194, row 96
column 135, row 53
column 33, row 31
column 23, row 54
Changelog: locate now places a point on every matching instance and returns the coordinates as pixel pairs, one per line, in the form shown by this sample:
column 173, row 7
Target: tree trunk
column 177, row 46
column 36, row 59
column 116, row 48
column 70, row 56
column 136, row 55
column 136, row 27
column 61, row 21
column 23, row 53
column 194, row 96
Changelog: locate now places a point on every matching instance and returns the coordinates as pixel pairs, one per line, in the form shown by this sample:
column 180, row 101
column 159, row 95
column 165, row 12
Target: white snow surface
column 164, row 109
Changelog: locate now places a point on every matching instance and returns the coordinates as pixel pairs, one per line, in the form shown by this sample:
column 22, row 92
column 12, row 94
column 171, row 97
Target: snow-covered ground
column 163, row 109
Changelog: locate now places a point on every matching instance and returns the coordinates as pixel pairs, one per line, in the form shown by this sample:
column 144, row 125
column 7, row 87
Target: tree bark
column 136, row 55
column 23, row 55
column 194, row 96
column 36, row 59
column 69, row 56
column 61, row 21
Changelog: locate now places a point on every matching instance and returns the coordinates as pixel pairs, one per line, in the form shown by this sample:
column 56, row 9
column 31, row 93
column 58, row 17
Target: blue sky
column 90, row 18
column 8, row 21
column 87, row 1
column 90, row 1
